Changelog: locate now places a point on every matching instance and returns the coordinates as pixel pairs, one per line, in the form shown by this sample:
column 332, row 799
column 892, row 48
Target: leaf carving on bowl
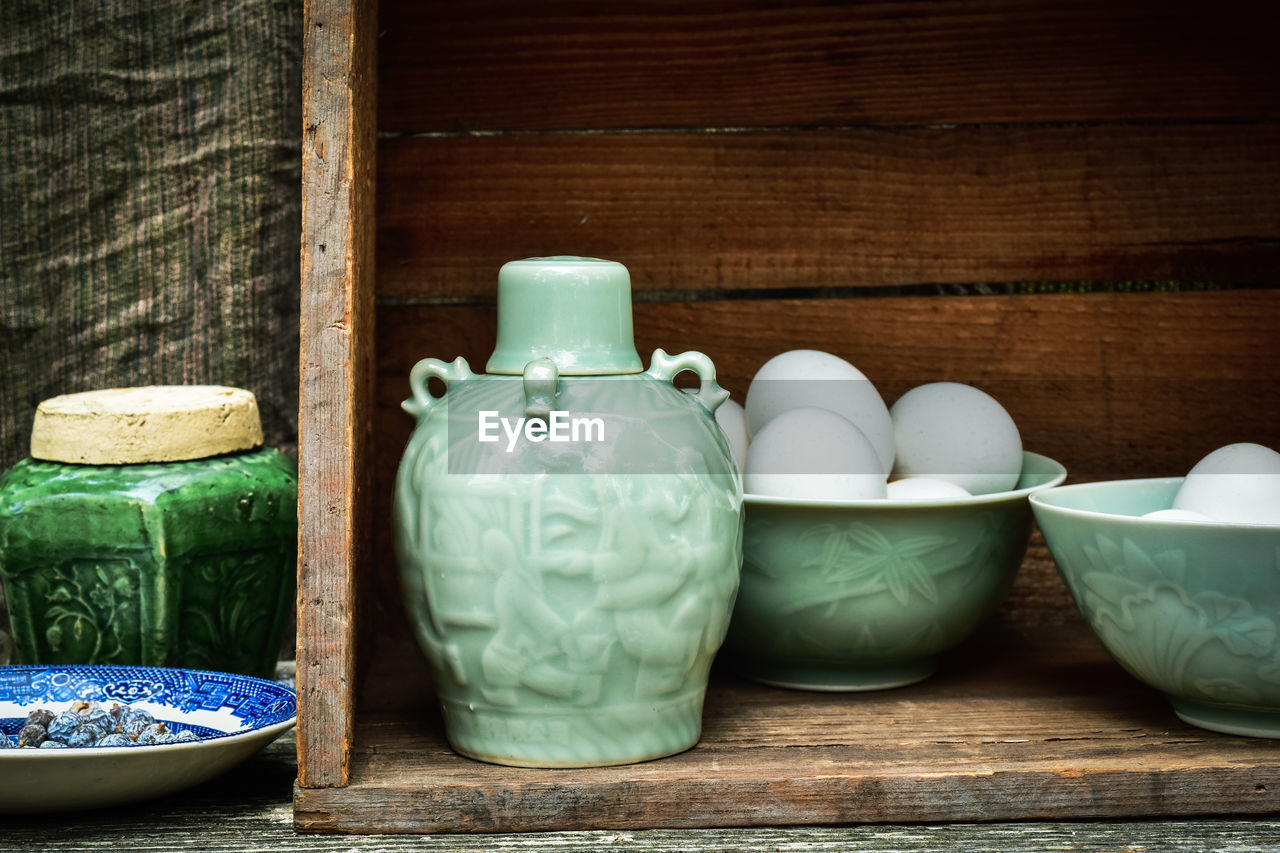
column 856, row 559
column 1169, row 635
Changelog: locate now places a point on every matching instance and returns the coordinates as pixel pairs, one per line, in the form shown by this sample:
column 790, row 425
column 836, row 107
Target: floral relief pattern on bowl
column 1189, row 608
column 1188, row 642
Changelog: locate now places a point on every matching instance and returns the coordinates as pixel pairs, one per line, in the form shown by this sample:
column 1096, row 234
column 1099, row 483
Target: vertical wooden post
column 338, row 155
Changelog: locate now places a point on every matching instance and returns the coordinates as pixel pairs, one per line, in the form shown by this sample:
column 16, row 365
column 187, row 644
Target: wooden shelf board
column 1013, row 726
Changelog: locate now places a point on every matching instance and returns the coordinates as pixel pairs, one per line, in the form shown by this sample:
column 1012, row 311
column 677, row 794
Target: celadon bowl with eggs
column 865, row 594
column 1191, row 607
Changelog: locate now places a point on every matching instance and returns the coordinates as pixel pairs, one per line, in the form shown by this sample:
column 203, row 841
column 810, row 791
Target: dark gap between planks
column 1000, row 288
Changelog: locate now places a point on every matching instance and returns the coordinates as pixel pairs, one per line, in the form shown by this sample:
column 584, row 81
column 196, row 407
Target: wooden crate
column 1075, row 206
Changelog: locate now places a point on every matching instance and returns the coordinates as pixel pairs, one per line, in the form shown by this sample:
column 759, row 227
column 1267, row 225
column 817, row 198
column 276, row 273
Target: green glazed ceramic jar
column 113, row 550
column 570, row 594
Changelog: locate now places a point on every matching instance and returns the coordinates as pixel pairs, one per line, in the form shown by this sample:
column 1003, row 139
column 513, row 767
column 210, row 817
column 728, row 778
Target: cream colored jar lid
column 159, row 423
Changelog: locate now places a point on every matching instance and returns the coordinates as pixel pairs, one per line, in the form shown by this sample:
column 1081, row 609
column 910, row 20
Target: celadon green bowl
column 865, row 594
column 1189, row 608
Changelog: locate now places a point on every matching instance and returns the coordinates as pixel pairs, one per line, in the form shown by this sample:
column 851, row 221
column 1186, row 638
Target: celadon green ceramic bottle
column 568, row 529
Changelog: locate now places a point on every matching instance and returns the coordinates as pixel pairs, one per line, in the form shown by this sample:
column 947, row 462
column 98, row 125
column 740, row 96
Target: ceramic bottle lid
column 574, row 311
column 160, row 423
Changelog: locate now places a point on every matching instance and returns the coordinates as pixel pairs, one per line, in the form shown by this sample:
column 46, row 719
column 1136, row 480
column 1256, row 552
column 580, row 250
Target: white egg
column 957, row 433
column 732, row 419
column 806, row 377
column 813, row 453
column 1238, row 483
column 1176, row 515
column 924, row 488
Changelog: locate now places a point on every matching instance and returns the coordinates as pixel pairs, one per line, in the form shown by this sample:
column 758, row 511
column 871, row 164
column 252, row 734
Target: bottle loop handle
column 423, row 372
column 666, row 367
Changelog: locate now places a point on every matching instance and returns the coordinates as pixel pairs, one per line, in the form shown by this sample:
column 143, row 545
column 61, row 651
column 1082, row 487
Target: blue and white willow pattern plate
column 233, row 716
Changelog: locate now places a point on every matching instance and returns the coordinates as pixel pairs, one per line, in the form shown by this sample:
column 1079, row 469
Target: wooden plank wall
column 1074, row 205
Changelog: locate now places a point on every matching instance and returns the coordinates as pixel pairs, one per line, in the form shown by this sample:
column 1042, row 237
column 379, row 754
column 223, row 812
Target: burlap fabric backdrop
column 150, row 202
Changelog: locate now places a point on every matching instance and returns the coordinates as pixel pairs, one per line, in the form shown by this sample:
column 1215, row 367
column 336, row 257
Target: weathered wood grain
column 1041, row 725
column 504, row 65
column 854, row 208
column 336, row 366
column 249, row 810
column 149, row 168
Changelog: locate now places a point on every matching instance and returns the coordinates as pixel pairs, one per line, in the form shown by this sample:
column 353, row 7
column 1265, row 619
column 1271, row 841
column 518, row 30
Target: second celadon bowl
column 1190, row 608
column 865, row 594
